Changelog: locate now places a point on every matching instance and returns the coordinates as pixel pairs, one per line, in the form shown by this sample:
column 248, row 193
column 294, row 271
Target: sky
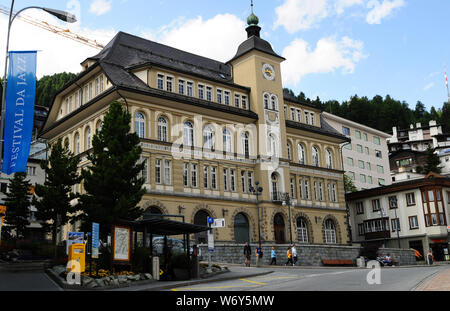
column 334, row 49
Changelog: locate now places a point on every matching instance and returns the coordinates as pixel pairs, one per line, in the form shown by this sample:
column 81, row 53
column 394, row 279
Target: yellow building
column 209, row 132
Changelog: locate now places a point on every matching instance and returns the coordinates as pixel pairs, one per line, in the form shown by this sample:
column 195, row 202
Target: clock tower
column 257, row 66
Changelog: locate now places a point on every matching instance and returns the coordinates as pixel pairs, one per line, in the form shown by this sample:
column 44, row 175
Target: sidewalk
column 236, row 272
column 437, row 282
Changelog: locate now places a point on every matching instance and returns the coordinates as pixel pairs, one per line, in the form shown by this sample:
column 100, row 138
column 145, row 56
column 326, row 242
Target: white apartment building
column 36, row 175
column 366, row 158
column 409, row 214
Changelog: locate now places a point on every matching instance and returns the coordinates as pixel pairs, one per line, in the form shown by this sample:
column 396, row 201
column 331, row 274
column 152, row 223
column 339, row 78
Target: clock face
column 268, row 72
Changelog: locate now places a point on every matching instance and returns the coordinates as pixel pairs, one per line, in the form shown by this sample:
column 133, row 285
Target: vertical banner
column 19, row 116
column 95, row 240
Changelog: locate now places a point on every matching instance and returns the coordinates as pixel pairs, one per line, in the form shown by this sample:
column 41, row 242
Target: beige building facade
column 212, row 134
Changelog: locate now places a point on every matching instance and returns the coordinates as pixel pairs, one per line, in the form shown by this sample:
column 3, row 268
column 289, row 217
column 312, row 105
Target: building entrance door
column 279, row 229
column 438, row 251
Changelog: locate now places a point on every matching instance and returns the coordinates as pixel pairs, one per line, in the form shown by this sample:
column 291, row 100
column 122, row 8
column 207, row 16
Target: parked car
column 175, row 245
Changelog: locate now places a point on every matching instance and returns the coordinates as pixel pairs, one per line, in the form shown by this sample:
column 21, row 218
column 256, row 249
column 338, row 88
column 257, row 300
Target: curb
column 196, row 282
column 425, row 281
column 66, row 286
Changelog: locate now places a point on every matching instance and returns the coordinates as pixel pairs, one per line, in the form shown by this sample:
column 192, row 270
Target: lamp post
column 287, row 201
column 62, row 15
column 257, row 191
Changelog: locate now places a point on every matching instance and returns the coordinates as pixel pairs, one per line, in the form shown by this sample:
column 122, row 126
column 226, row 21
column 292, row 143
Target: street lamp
column 62, row 15
column 287, row 201
column 258, row 191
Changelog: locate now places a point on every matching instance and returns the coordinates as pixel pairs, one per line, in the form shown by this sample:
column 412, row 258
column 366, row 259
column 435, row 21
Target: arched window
column 139, row 124
column 329, row 159
column 245, row 144
column 266, row 101
column 301, row 154
column 274, row 102
column 315, row 156
column 241, row 229
column 302, row 230
column 98, row 127
column 276, row 195
column 163, row 132
column 87, row 138
column 66, row 143
column 77, row 144
column 272, row 149
column 188, row 133
column 208, row 138
column 227, row 141
column 289, row 151
column 330, row 232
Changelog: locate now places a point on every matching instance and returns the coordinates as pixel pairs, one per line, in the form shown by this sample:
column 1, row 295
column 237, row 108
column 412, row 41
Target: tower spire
column 253, row 29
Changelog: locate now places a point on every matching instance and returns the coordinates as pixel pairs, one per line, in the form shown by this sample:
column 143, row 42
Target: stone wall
column 308, row 255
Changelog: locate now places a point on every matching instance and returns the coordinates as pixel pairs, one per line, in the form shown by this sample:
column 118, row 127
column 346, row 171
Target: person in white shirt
column 294, row 254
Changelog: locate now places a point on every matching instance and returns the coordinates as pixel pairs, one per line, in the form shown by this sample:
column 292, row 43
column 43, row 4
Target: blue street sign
column 210, row 220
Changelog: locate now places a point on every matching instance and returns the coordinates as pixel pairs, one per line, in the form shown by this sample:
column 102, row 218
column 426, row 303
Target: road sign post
column 210, row 243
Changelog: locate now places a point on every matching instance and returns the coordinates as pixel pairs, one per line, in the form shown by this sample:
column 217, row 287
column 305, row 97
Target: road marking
column 211, row 287
column 253, row 282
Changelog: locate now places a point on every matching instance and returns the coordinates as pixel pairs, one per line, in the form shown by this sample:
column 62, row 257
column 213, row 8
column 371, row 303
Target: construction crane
column 55, row 29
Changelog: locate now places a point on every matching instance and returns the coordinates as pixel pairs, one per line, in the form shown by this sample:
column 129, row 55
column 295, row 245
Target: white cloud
column 341, row 5
column 100, row 7
column 201, row 37
column 295, row 15
column 428, row 86
column 56, row 53
column 328, row 56
column 381, row 10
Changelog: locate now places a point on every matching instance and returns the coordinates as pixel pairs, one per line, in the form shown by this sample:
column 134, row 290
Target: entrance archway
column 279, row 229
column 201, row 218
column 241, row 229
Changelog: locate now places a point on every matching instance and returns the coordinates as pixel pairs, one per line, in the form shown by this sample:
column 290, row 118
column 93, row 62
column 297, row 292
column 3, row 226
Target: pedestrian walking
column 273, row 255
column 259, row 255
column 247, row 254
column 294, row 254
column 289, row 256
column 430, row 257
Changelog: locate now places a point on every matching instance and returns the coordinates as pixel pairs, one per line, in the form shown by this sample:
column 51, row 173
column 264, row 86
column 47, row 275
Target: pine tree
column 432, row 162
column 54, row 197
column 18, row 202
column 112, row 183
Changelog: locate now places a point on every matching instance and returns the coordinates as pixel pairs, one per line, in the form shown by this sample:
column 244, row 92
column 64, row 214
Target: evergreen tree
column 112, row 183
column 18, row 202
column 432, row 162
column 54, row 197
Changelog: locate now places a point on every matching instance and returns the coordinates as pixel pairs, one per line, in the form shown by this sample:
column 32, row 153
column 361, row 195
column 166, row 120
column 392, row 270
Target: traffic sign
column 210, row 220
column 218, row 223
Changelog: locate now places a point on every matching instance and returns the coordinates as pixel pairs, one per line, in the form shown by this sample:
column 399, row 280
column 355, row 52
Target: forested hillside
column 381, row 113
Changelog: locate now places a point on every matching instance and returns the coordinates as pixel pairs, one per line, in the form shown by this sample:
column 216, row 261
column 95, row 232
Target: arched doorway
column 241, row 229
column 152, row 212
column 279, row 229
column 201, row 218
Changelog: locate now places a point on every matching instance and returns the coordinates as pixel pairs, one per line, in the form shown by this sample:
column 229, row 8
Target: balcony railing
column 277, row 196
